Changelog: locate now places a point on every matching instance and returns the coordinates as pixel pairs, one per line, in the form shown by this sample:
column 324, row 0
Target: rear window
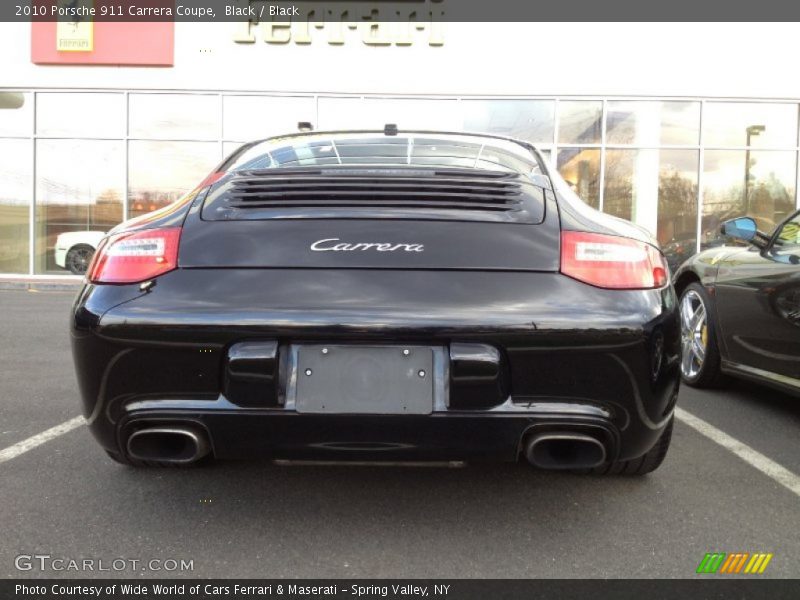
column 320, row 150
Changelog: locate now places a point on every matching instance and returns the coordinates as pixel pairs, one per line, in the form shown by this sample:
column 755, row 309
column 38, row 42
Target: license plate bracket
column 364, row 379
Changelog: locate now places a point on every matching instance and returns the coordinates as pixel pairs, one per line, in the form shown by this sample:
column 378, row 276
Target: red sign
column 105, row 43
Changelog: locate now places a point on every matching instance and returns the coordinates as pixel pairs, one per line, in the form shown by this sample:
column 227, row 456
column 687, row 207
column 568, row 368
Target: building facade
column 664, row 137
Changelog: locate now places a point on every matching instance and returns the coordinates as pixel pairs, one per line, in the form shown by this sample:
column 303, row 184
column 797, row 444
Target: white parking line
column 752, row 457
column 755, row 459
column 39, row 439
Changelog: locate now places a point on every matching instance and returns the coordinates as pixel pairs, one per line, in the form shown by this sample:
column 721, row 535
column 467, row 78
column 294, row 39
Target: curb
column 33, row 285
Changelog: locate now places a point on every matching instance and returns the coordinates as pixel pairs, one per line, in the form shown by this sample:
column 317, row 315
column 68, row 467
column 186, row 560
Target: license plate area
column 364, row 379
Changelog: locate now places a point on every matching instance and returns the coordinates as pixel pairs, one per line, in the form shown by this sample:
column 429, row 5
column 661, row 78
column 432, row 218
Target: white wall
column 666, row 59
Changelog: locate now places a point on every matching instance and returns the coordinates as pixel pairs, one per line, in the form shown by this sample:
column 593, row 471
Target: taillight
column 137, row 256
column 609, row 261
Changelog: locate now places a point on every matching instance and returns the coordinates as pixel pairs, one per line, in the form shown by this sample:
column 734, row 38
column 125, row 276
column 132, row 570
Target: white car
column 74, row 249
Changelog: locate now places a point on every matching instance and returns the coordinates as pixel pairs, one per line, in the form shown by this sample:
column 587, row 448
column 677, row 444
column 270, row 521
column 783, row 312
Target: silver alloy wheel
column 78, row 259
column 694, row 334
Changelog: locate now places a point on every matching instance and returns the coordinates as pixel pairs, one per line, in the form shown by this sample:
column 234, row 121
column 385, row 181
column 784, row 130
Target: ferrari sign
column 74, row 28
column 75, row 36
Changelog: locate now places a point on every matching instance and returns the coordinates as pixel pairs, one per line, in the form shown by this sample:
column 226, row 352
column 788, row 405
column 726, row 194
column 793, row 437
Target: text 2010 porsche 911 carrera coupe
column 380, row 296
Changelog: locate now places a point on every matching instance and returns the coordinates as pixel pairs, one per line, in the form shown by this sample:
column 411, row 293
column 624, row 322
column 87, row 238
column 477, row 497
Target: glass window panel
column 677, row 204
column 656, row 189
column 79, row 187
column 580, row 168
column 16, row 113
column 531, row 120
column 161, row 172
column 174, row 116
column 621, row 182
column 248, row 118
column 340, row 113
column 768, row 197
column 80, row 115
column 653, row 123
column 374, row 113
column 762, row 125
column 579, row 121
column 16, row 173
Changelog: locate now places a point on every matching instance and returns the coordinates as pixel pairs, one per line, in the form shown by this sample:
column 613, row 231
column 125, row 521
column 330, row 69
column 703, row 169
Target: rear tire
column 78, row 259
column 647, row 463
column 700, row 357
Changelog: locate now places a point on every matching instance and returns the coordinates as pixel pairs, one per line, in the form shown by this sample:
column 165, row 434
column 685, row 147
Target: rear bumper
column 570, row 355
column 235, row 432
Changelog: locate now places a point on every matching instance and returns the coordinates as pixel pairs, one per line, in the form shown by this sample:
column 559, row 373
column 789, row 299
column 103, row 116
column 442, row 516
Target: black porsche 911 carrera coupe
column 389, row 296
column 740, row 308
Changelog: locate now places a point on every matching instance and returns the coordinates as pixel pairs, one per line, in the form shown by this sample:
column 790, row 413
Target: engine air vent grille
column 476, row 194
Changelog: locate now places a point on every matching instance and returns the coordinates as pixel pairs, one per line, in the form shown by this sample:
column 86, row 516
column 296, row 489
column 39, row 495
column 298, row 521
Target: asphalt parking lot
column 64, row 498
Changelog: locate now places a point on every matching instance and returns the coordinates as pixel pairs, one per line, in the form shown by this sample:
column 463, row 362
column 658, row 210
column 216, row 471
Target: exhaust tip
column 565, row 451
column 177, row 445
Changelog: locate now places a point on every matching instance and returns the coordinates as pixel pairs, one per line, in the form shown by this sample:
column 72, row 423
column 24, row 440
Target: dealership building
column 673, row 126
